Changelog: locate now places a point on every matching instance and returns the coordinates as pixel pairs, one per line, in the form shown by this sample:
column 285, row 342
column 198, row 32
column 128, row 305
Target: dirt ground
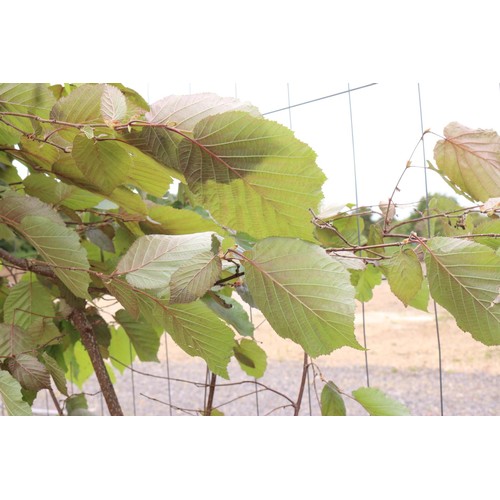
column 396, row 337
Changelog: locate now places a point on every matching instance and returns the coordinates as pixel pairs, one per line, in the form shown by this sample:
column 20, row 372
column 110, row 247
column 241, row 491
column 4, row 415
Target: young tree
column 97, row 217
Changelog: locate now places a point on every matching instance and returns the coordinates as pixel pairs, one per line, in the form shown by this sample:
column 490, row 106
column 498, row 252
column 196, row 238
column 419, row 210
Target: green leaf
column 377, row 404
column 183, row 113
column 121, row 351
column 404, row 274
column 199, row 332
column 169, row 220
column 332, row 404
column 251, row 357
column 216, row 413
column 113, row 104
column 470, row 159
column 304, row 294
column 77, row 406
column 13, row 340
column 144, row 338
column 56, row 373
column 421, row 298
column 36, row 154
column 56, row 193
column 488, row 227
column 147, row 174
column 83, row 105
column 194, row 278
column 99, row 238
column 231, row 312
column 105, row 164
column 152, row 260
column 28, row 98
column 365, row 280
column 464, row 278
column 344, row 229
column 14, row 207
column 60, row 247
column 193, row 327
column 30, row 373
column 252, row 174
column 79, row 364
column 10, row 390
column 27, row 302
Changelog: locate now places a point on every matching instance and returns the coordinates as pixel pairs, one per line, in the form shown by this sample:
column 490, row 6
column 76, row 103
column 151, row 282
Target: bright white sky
column 386, row 124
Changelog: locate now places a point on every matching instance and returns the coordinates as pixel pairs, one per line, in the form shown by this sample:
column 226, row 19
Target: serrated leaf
column 464, row 278
column 10, row 390
column 404, row 274
column 83, row 105
column 13, row 340
column 152, row 260
column 237, row 160
column 199, row 332
column 144, row 338
column 113, row 104
column 365, row 280
column 251, row 357
column 59, row 246
column 304, row 294
column 231, row 312
column 121, row 351
column 27, row 302
column 105, row 164
column 332, row 403
column 378, row 404
column 471, row 160
column 30, row 373
column 56, row 372
column 193, row 327
column 182, row 112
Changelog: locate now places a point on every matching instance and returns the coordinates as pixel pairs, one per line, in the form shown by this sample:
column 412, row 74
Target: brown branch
column 82, row 324
column 302, row 385
column 27, row 264
column 56, row 403
column 211, row 393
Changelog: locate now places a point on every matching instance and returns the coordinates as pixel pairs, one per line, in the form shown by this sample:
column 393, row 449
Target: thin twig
column 56, row 402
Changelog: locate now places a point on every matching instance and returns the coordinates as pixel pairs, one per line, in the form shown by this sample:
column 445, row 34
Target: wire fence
column 180, row 385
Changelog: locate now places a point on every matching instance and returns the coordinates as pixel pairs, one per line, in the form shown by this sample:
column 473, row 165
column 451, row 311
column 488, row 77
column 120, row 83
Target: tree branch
column 82, row 324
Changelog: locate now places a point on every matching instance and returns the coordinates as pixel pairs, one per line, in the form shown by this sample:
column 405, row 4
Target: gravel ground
column 402, row 356
column 464, row 393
